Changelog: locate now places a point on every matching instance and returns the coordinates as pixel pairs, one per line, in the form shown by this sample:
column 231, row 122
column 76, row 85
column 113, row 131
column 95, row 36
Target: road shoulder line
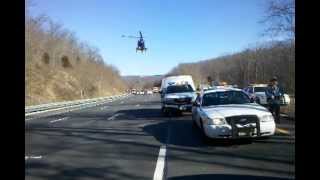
column 160, row 166
column 59, row 120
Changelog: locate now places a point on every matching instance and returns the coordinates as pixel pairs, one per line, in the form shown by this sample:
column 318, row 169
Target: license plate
column 243, row 134
column 247, row 131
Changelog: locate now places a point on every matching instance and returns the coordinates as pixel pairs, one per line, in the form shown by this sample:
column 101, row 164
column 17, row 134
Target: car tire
column 194, row 124
column 167, row 112
column 179, row 113
column 164, row 111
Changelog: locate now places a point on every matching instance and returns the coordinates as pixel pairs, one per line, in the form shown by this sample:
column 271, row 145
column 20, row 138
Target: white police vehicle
column 229, row 113
column 257, row 93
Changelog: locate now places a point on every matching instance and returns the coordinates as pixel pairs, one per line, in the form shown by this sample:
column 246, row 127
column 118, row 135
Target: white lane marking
column 114, row 116
column 138, row 105
column 58, row 120
column 160, row 167
column 32, row 157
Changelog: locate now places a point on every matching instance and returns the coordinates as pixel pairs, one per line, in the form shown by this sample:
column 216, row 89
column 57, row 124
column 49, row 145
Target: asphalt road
column 122, row 139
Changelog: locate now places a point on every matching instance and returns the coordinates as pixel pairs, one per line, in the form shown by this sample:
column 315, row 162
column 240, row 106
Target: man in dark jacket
column 274, row 94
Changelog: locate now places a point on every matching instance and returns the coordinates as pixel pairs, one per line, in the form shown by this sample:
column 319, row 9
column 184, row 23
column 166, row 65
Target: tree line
column 254, row 65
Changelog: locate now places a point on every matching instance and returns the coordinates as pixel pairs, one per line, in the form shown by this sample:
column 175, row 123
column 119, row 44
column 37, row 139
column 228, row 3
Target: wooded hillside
column 254, row 65
column 59, row 67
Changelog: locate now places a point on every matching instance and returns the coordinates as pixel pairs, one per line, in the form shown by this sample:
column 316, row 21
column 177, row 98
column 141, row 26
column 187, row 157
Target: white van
column 177, row 93
column 177, row 80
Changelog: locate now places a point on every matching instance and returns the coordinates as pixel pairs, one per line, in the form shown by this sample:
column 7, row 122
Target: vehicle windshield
column 226, row 97
column 260, row 89
column 179, row 89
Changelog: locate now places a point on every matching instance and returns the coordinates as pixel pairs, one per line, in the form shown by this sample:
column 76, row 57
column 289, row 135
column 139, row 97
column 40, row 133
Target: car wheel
column 194, row 124
column 164, row 111
column 179, row 113
column 168, row 112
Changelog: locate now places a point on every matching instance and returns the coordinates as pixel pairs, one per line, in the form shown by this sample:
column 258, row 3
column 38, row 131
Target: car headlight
column 215, row 121
column 266, row 118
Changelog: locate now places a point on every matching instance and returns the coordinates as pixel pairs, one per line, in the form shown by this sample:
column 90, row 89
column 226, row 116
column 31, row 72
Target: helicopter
column 140, row 44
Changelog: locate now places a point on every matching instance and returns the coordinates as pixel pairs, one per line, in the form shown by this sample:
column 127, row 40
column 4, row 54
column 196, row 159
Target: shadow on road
column 225, row 177
column 183, row 133
column 140, row 114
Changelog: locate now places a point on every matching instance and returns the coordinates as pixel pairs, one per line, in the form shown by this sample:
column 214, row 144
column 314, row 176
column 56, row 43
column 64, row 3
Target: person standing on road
column 274, row 93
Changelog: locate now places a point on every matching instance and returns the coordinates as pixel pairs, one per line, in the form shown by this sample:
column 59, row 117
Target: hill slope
column 58, row 67
column 143, row 82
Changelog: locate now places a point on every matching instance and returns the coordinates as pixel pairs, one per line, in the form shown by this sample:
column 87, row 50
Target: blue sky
column 176, row 31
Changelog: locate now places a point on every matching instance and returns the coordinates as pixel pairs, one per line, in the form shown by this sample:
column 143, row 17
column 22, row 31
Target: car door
column 195, row 109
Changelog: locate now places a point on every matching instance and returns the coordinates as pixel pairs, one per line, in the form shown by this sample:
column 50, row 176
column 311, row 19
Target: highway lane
column 121, row 140
column 89, row 146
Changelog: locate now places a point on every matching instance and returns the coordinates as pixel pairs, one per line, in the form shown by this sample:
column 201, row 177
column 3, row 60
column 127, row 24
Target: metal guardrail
column 49, row 106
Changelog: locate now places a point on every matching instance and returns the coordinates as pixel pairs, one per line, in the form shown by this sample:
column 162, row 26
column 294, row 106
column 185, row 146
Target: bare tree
column 255, row 65
column 280, row 18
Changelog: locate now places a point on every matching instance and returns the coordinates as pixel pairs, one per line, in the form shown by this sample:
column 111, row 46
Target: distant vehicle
column 149, row 92
column 257, row 93
column 155, row 89
column 229, row 113
column 177, row 94
column 134, row 91
column 204, row 87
